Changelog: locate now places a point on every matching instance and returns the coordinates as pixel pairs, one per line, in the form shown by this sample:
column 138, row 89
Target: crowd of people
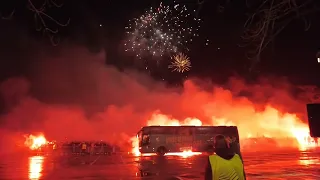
column 79, row 148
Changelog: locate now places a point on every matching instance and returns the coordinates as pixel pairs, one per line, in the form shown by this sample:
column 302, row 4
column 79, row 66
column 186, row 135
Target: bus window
column 192, row 131
column 156, row 130
column 184, row 131
column 202, row 130
column 160, row 130
column 145, row 139
column 171, row 130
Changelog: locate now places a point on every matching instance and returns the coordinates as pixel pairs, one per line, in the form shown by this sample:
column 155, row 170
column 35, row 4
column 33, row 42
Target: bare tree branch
column 269, row 19
column 8, row 16
column 42, row 19
column 40, row 15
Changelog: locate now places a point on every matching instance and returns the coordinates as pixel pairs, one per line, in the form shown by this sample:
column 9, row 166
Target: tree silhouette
column 269, row 18
column 42, row 18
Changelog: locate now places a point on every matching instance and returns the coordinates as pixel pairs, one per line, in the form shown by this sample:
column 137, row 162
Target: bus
column 172, row 139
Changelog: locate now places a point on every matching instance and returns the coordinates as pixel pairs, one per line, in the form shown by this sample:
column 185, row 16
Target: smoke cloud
column 74, row 94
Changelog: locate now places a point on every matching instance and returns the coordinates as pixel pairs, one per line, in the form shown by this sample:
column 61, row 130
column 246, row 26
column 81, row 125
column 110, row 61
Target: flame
column 135, row 146
column 302, row 135
column 269, row 123
column 35, row 142
column 184, row 154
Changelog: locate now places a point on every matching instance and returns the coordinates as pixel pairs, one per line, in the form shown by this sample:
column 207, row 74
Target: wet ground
column 303, row 165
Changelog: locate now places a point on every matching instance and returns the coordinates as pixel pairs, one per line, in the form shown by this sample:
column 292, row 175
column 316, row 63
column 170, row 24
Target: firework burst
column 180, row 63
column 162, row 30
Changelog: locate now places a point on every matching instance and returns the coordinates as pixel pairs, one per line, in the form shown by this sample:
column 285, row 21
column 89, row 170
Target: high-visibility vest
column 223, row 169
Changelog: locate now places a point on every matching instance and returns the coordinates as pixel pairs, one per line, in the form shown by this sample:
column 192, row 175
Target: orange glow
column 269, row 123
column 35, row 167
column 98, row 102
column 135, row 146
column 35, row 142
column 183, row 154
column 303, row 137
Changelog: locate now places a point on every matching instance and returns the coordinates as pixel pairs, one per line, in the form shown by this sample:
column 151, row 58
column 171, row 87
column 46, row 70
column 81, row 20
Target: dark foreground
column 275, row 166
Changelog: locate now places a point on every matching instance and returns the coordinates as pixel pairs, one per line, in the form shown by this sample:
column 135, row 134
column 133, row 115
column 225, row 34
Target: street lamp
column 318, row 56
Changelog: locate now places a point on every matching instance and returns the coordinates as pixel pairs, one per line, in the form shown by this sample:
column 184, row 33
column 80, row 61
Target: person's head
column 220, row 142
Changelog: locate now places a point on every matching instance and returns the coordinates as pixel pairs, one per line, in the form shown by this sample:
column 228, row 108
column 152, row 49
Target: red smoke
column 75, row 95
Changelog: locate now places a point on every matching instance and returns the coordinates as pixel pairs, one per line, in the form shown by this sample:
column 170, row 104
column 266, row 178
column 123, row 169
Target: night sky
column 88, row 79
column 292, row 54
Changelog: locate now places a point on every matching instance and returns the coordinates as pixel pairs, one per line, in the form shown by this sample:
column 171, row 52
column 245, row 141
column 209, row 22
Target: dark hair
column 220, row 142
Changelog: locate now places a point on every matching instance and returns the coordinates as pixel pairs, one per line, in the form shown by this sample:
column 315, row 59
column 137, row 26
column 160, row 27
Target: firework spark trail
column 162, row 30
column 180, row 63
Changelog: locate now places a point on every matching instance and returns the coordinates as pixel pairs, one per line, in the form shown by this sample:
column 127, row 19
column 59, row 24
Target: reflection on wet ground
column 35, row 167
column 275, row 166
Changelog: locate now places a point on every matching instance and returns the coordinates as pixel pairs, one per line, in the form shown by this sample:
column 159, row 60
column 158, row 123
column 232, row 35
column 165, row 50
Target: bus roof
column 197, row 129
column 189, row 126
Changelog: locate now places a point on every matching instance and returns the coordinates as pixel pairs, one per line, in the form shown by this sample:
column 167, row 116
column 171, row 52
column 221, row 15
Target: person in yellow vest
column 225, row 164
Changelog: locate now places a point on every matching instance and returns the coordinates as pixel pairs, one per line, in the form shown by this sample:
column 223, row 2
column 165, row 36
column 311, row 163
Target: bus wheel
column 161, row 151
